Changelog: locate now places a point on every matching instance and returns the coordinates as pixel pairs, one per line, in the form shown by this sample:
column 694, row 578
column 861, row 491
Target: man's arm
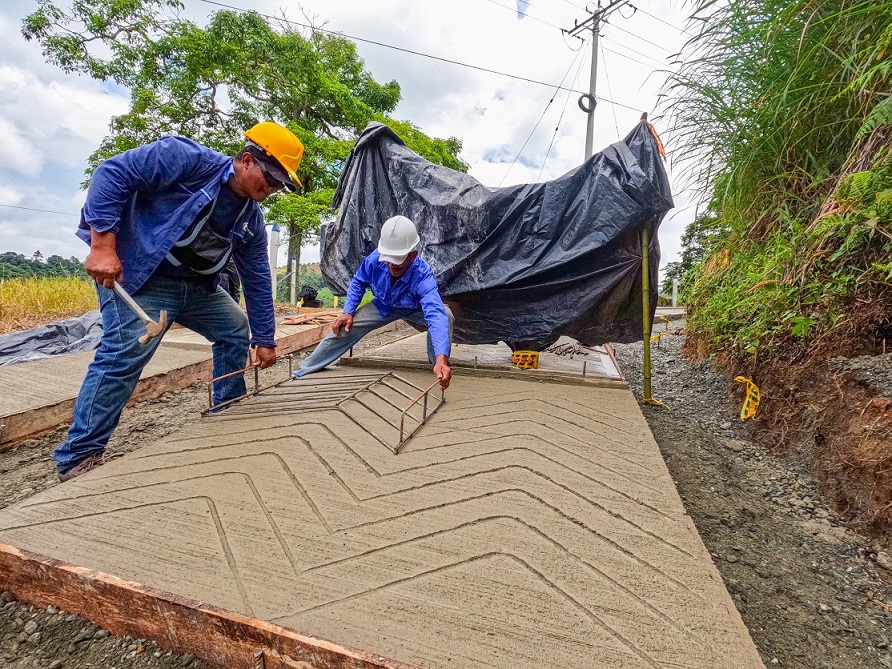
column 252, row 263
column 437, row 320
column 156, row 166
column 361, row 280
column 358, row 284
column 102, row 262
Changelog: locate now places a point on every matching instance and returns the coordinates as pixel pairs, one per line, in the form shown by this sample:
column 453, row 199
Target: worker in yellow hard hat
column 164, row 220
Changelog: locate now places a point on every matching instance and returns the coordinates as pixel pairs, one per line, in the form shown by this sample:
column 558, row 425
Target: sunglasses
column 270, row 179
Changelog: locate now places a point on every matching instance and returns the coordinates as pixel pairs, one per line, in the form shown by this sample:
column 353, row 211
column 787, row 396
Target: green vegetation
column 783, row 113
column 17, row 266
column 211, row 83
column 29, row 302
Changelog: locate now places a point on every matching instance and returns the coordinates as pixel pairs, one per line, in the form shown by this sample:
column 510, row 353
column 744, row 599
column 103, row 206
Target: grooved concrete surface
column 527, row 525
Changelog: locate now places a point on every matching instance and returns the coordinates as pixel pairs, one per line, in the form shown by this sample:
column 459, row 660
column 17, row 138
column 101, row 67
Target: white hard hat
column 398, row 239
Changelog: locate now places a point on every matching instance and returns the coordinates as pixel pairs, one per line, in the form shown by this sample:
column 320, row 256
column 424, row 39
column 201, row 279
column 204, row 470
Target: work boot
column 88, row 464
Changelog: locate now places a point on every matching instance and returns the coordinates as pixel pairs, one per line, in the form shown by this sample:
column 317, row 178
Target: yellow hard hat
column 280, row 143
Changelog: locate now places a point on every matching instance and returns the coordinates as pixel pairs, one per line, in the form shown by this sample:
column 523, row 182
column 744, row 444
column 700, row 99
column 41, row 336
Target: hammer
column 153, row 329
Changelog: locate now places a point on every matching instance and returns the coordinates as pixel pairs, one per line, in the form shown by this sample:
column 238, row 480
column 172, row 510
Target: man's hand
column 443, row 371
column 102, row 262
column 266, row 357
column 343, row 321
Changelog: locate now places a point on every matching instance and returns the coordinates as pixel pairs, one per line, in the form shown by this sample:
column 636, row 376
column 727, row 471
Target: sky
column 513, row 131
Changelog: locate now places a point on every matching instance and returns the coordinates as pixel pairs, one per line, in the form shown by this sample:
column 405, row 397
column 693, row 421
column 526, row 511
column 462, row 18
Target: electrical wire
column 657, row 18
column 513, row 10
column 414, row 53
column 557, row 127
column 643, row 39
column 609, row 89
column 508, row 171
column 45, row 211
column 634, row 60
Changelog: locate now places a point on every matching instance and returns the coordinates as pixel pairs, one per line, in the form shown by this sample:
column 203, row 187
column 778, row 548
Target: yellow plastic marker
column 751, row 401
column 525, row 359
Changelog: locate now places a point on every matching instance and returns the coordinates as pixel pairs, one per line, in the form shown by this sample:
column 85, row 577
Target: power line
column 610, row 90
column 557, row 127
column 628, row 57
column 508, row 171
column 45, row 211
column 513, row 10
column 414, row 53
column 643, row 39
column 657, row 18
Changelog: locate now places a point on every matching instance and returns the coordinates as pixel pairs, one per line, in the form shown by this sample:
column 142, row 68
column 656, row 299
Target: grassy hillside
column 781, row 115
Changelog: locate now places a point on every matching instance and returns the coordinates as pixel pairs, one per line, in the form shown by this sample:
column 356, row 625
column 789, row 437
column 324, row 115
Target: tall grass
column 780, row 113
column 26, row 303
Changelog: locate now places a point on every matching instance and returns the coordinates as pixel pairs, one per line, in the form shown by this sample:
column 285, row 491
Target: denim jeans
column 366, row 319
column 120, row 358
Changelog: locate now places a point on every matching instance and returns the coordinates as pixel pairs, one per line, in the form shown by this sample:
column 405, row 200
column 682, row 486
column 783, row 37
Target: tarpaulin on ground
column 69, row 336
column 523, row 264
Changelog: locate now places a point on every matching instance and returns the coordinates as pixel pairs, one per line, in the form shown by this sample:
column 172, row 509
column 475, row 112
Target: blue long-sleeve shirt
column 149, row 196
column 414, row 290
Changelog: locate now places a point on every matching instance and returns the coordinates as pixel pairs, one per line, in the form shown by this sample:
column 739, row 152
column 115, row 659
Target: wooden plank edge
column 35, row 422
column 218, row 637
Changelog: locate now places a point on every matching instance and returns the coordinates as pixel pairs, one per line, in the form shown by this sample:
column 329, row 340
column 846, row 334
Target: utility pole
column 588, row 101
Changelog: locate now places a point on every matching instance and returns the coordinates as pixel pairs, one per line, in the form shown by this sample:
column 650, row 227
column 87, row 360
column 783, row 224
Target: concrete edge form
column 37, row 421
column 516, row 375
column 180, row 624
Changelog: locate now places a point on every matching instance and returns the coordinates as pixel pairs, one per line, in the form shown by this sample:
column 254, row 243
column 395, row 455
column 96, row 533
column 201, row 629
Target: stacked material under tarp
column 523, row 264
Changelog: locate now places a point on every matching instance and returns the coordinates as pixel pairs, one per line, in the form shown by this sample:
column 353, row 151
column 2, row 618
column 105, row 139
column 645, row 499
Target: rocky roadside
column 813, row 593
column 53, row 639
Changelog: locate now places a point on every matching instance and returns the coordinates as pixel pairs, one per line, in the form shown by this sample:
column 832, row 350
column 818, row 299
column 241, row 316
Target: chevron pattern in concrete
column 527, row 525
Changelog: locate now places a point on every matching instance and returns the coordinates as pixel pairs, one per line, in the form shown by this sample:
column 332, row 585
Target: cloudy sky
column 50, row 122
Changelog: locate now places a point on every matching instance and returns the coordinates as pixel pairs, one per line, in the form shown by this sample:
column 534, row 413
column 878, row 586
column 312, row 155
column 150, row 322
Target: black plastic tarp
column 69, row 336
column 523, row 264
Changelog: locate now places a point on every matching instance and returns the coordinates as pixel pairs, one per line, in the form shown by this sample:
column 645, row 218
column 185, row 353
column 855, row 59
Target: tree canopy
column 17, row 266
column 212, row 82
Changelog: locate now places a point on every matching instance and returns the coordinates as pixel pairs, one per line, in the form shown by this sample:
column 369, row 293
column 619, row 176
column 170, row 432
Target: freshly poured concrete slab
column 525, row 525
column 43, row 392
column 588, row 364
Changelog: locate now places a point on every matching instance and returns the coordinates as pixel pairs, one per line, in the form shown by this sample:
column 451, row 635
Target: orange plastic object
column 525, row 359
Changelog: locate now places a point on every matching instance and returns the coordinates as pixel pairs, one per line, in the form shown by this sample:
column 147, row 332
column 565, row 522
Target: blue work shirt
column 414, row 290
column 149, row 196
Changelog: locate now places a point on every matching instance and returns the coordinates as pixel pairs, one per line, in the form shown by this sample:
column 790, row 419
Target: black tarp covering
column 69, row 336
column 523, row 264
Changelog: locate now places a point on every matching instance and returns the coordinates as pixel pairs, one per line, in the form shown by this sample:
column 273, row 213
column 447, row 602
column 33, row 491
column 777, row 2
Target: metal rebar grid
column 380, row 395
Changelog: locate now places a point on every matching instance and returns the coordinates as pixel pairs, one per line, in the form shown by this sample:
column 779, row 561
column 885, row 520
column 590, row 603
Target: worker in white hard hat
column 163, row 220
column 404, row 287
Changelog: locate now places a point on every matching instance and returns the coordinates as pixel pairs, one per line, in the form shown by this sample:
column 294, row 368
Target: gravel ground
column 813, row 594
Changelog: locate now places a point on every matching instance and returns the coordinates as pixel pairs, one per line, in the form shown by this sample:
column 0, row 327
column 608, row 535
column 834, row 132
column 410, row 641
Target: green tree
column 302, row 217
column 701, row 238
column 210, row 83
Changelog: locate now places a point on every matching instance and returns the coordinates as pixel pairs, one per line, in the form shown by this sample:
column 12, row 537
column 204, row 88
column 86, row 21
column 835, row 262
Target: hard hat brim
column 394, row 260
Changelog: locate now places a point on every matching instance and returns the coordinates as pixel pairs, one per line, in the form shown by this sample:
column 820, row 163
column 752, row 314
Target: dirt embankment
column 813, row 589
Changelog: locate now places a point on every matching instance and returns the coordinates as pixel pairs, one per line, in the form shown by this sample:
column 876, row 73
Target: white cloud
column 60, row 118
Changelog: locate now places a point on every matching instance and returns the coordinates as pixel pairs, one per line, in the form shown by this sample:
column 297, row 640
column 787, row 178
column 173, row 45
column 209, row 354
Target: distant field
column 27, row 303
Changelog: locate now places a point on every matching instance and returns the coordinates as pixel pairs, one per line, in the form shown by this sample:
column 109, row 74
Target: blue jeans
column 120, row 358
column 366, row 319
